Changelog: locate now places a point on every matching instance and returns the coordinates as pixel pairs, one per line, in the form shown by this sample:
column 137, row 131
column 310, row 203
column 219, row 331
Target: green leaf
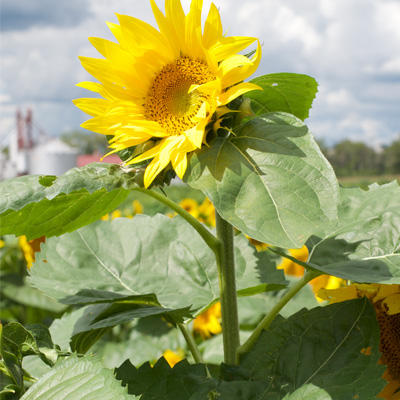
column 364, row 244
column 308, row 392
column 134, row 260
column 286, row 92
column 270, row 180
column 324, row 346
column 78, row 379
column 37, row 206
column 99, row 319
column 61, row 329
column 146, row 339
column 141, row 267
column 29, row 296
column 32, row 340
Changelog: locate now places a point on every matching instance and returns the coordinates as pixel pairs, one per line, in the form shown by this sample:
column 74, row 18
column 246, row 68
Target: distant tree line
column 356, row 158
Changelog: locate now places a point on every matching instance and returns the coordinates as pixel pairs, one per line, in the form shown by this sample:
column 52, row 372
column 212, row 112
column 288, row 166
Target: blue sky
column 351, row 47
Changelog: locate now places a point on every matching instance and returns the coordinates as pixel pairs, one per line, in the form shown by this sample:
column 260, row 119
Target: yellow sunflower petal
column 175, row 16
column 338, row 295
column 212, row 27
column 152, row 170
column 227, row 46
column 393, row 304
column 237, row 91
column 242, row 70
column 140, row 36
column 193, row 30
column 102, row 70
column 116, row 31
column 385, row 291
column 93, row 107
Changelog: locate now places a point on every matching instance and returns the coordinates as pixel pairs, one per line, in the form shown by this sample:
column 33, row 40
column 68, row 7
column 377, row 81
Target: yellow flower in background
column 260, row 246
column 29, row 248
column 191, row 206
column 137, row 207
column 207, row 212
column 386, row 301
column 208, row 322
column 113, row 215
column 173, row 357
column 291, row 268
column 162, row 88
column 322, row 281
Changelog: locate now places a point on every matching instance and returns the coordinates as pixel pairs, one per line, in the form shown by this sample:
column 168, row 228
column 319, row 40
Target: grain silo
column 54, row 157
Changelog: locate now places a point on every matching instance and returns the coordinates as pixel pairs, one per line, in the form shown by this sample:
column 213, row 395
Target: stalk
column 212, row 242
column 193, row 346
column 227, row 287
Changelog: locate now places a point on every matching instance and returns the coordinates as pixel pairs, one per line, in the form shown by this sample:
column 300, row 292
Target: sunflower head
column 162, row 90
column 386, row 301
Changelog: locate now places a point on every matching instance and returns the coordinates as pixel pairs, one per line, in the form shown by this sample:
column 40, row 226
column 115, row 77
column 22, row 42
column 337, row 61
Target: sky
column 351, row 47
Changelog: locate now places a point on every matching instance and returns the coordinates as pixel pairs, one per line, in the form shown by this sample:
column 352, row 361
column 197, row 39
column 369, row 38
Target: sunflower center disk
column 390, row 340
column 169, row 102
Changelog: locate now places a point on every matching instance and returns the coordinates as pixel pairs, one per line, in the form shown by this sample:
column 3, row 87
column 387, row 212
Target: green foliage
column 110, row 263
column 37, row 206
column 323, row 346
column 17, row 342
column 291, row 93
column 270, row 180
column 78, row 379
column 354, row 158
column 308, row 355
column 363, row 244
column 126, row 285
column 391, row 158
column 132, row 260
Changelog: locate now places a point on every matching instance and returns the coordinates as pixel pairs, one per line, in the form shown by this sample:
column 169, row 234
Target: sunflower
column 323, row 281
column 162, row 89
column 208, row 322
column 173, row 357
column 29, row 248
column 386, row 301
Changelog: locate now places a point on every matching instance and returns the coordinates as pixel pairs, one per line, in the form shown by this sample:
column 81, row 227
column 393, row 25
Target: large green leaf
column 292, row 93
column 270, row 180
column 78, row 379
column 156, row 261
column 336, row 348
column 324, row 353
column 35, row 205
column 364, row 244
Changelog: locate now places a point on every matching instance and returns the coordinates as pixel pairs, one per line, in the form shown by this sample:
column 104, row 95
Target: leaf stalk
column 267, row 320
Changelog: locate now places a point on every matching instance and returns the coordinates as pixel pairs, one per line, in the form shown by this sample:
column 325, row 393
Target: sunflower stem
column 212, row 242
column 193, row 346
column 227, row 288
column 266, row 322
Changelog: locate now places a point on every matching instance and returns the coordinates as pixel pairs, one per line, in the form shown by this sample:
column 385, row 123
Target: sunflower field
column 221, row 259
